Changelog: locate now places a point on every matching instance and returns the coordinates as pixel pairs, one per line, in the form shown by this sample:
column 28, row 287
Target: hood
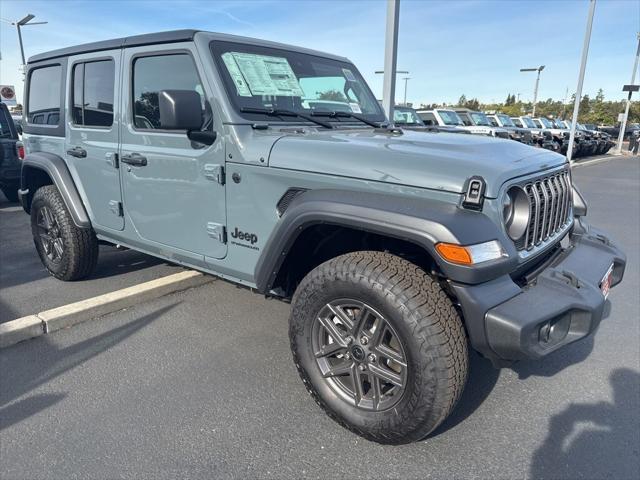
column 439, row 161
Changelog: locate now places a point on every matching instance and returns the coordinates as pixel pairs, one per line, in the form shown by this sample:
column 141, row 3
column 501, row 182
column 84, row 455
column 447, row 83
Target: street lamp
column 406, row 79
column 623, row 124
column 19, row 24
column 535, row 91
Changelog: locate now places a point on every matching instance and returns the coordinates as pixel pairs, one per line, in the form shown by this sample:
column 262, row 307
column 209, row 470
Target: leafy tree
column 333, row 95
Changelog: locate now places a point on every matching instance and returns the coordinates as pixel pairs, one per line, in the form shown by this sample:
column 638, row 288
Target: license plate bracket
column 605, row 283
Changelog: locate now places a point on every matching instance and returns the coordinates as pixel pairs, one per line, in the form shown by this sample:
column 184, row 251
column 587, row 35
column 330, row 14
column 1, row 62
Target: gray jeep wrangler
column 272, row 166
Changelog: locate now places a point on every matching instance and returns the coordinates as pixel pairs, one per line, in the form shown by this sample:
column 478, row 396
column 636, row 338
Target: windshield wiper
column 285, row 113
column 347, row 115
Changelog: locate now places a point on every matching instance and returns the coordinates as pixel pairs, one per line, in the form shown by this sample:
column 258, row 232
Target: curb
column 49, row 321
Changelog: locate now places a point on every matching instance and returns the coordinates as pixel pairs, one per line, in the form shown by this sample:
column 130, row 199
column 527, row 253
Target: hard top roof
column 168, row 37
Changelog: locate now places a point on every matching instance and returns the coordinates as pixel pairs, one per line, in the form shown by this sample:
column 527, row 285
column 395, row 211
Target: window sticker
column 263, row 75
column 355, row 107
column 348, row 74
column 236, row 75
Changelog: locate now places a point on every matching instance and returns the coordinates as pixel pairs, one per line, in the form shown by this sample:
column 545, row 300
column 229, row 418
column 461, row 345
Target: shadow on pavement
column 27, row 366
column 481, row 380
column 595, row 440
column 557, row 361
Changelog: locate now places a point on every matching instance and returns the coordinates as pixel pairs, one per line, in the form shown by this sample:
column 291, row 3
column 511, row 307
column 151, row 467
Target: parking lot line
column 48, row 321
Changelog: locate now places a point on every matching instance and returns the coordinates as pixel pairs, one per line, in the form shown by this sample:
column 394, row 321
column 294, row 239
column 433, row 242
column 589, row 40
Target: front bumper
column 562, row 304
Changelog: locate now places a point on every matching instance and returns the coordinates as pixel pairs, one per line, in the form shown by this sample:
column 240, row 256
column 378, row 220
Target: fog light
column 556, row 330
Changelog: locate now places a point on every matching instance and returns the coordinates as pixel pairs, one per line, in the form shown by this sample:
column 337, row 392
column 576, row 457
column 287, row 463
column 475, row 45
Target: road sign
column 8, row 95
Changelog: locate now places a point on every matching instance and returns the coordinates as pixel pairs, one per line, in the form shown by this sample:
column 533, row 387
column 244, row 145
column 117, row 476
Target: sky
column 450, row 48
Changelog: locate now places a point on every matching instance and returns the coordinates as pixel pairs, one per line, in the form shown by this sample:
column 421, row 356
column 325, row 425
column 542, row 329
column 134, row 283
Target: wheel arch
column 398, row 224
column 43, row 168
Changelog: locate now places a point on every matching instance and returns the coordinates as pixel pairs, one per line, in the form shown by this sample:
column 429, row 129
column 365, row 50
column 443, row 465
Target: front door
column 172, row 193
column 92, row 143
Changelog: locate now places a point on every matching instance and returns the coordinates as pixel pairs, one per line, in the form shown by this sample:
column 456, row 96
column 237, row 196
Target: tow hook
column 573, row 280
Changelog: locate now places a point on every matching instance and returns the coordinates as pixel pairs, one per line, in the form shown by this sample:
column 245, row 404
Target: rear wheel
column 67, row 251
column 379, row 346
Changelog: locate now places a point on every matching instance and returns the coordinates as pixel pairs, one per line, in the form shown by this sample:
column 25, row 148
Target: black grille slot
column 287, row 198
column 549, row 209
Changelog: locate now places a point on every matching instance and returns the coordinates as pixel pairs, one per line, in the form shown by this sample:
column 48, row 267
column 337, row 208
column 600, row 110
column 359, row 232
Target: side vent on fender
column 287, row 198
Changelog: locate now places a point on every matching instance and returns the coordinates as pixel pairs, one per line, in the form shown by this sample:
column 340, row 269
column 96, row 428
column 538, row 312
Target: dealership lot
column 201, row 383
column 27, row 288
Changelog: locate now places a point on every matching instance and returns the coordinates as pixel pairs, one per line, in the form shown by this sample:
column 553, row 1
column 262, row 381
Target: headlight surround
column 515, row 212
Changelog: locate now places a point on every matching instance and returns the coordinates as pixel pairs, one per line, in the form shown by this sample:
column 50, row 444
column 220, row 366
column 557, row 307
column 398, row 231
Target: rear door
column 173, row 189
column 92, row 142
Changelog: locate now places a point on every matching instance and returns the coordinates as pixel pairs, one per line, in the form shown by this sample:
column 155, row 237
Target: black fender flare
column 59, row 173
column 424, row 222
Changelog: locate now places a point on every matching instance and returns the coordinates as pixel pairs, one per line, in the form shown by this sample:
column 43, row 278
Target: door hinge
column 116, row 208
column 217, row 231
column 215, row 173
column 112, row 159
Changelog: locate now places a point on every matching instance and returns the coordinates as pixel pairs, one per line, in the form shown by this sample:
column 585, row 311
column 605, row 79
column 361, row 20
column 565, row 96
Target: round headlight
column 515, row 212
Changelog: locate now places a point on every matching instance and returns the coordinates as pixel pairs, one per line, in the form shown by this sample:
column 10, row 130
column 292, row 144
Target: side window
column 493, row 122
column 44, row 95
column 93, row 93
column 151, row 75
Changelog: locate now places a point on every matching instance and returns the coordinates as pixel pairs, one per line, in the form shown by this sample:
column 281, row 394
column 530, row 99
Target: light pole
column 390, row 58
column 19, row 24
column 406, row 79
column 583, row 67
column 535, row 90
column 623, row 124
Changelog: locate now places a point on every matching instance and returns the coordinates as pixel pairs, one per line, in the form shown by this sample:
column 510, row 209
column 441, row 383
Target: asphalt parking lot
column 200, row 384
column 27, row 288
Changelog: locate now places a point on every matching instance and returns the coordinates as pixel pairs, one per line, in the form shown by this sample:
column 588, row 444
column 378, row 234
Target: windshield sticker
column 236, row 75
column 348, row 74
column 355, row 107
column 265, row 75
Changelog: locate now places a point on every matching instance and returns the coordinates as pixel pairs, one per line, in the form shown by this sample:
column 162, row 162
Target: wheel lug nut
column 364, row 340
column 371, row 357
column 347, row 355
column 361, row 367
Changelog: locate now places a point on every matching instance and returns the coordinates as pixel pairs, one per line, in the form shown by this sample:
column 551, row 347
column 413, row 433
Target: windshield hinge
column 215, row 173
column 474, row 196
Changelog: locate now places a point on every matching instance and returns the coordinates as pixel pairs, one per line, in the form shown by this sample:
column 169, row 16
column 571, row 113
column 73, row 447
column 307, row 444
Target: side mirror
column 19, row 128
column 180, row 110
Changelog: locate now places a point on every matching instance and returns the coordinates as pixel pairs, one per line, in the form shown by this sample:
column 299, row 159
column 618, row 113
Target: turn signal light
column 454, row 253
column 471, row 254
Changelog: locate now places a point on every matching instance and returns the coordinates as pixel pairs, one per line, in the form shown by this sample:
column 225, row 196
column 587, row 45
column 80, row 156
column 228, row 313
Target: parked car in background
column 605, row 141
column 614, row 131
column 478, row 123
column 515, row 133
column 541, row 138
column 9, row 161
column 442, row 117
column 408, row 118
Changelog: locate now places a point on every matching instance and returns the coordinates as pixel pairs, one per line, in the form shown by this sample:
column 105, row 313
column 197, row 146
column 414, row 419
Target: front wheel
column 379, row 346
column 67, row 251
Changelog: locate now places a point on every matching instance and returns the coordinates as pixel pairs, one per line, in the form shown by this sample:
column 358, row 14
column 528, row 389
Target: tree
column 333, row 95
column 462, row 101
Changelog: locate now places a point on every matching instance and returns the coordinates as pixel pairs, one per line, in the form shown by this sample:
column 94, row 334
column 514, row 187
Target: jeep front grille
column 549, row 209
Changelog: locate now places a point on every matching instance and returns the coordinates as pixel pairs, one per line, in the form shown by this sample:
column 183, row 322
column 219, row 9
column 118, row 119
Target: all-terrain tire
column 80, row 245
column 427, row 324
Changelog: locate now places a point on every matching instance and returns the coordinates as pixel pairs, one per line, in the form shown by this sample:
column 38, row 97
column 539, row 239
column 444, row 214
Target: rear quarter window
column 43, row 102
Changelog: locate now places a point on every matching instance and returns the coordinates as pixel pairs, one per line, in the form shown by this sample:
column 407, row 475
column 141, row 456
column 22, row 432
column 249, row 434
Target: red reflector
column 20, row 151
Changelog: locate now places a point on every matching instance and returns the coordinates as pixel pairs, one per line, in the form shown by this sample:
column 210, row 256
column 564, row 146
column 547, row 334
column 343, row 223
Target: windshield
column 406, row 117
column 505, row 120
column 480, row 119
column 450, row 117
column 546, row 123
column 258, row 77
column 528, row 122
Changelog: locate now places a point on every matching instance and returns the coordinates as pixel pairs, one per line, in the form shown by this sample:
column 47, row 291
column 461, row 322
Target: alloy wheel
column 359, row 354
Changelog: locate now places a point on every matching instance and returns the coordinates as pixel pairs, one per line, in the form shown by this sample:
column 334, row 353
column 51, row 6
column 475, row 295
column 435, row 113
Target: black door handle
column 134, row 159
column 77, row 152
